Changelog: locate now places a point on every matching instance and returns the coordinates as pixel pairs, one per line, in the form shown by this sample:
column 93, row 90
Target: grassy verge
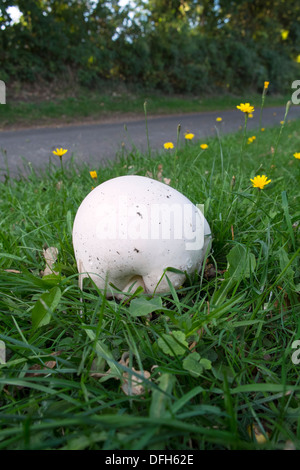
column 91, row 105
column 229, row 382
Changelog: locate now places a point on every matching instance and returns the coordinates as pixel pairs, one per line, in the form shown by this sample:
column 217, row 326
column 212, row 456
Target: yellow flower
column 262, row 129
column 94, row 174
column 254, row 431
column 250, row 115
column 260, row 181
column 246, row 108
column 284, row 34
column 297, row 155
column 169, row 145
column 189, row 136
column 60, row 152
column 251, row 139
column 266, row 84
column 281, row 122
column 219, row 119
column 204, row 146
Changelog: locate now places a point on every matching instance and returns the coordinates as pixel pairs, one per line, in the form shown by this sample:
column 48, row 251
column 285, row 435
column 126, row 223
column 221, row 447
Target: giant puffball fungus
column 130, row 229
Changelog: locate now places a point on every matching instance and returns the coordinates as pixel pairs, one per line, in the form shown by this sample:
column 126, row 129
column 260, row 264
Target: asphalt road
column 99, row 142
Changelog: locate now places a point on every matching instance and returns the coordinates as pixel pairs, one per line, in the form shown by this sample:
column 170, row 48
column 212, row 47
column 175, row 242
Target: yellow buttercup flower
column 266, row 84
column 169, row 145
column 60, row 152
column 94, row 174
column 250, row 115
column 262, row 129
column 204, row 146
column 219, row 119
column 251, row 139
column 246, row 108
column 260, row 181
column 255, row 432
column 297, row 155
column 189, row 136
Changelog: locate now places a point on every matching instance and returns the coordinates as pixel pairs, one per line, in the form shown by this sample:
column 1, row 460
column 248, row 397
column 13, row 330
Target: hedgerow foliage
column 171, row 45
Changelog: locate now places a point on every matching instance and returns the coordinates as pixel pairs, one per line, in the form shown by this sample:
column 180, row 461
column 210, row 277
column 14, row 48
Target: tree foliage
column 172, row 45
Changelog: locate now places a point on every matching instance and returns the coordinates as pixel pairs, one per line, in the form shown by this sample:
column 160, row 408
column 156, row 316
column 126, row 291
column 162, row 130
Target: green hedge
column 172, row 57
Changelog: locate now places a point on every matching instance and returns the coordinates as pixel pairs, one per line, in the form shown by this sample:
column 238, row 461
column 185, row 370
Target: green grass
column 242, row 322
column 96, row 105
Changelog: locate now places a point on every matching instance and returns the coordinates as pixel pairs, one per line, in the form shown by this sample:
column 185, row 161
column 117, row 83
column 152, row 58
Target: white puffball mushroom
column 129, row 229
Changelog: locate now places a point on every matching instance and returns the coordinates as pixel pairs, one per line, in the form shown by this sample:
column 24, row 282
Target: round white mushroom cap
column 129, row 229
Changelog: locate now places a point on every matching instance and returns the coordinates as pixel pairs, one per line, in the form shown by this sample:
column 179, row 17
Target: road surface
column 99, row 142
